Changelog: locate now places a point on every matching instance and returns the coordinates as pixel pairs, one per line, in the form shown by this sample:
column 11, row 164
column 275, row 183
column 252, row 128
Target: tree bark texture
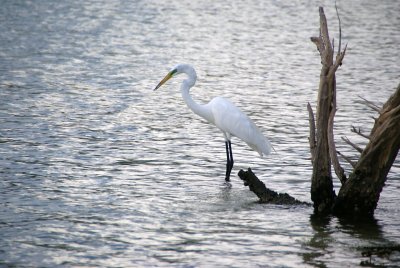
column 360, row 194
column 322, row 143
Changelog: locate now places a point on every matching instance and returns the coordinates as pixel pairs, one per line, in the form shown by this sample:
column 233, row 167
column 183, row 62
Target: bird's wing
column 232, row 121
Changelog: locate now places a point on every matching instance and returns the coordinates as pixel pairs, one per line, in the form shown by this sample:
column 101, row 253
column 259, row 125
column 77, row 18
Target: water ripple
column 99, row 170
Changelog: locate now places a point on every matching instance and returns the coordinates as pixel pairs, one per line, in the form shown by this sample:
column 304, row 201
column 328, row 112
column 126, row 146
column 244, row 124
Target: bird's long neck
column 198, row 109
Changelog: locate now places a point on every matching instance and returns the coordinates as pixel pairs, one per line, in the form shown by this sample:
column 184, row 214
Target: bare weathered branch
column 370, row 104
column 348, row 160
column 317, row 42
column 311, row 138
column 340, row 54
column 324, row 36
column 322, row 192
column 338, row 62
column 340, row 28
column 332, row 148
column 358, row 131
column 360, row 194
column 355, row 146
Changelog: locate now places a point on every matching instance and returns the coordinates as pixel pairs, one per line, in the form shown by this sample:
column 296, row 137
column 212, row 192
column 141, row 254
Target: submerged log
column 264, row 194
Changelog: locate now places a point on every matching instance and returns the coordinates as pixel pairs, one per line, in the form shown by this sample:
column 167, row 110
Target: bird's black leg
column 230, row 157
column 229, row 160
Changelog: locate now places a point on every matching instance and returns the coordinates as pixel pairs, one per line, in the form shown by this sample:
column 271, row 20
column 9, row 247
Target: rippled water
column 97, row 170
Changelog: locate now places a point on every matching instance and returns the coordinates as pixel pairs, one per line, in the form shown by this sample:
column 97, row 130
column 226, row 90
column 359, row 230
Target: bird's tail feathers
column 263, row 149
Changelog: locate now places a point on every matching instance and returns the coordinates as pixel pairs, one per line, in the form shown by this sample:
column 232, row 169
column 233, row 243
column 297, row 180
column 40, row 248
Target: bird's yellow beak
column 165, row 79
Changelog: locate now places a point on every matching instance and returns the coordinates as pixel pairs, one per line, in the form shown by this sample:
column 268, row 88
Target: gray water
column 97, row 170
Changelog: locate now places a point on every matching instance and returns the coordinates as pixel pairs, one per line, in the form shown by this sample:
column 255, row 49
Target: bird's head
column 178, row 69
column 170, row 74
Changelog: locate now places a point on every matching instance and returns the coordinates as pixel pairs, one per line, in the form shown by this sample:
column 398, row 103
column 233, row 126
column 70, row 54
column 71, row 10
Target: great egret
column 224, row 115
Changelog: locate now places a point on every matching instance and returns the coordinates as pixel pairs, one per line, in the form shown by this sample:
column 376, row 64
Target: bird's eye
column 173, row 72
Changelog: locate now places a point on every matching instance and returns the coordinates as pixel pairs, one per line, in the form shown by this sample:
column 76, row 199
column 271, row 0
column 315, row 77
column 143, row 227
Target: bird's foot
column 227, row 184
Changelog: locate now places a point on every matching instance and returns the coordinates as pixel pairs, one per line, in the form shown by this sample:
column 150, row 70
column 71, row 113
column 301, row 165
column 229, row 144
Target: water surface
column 97, row 170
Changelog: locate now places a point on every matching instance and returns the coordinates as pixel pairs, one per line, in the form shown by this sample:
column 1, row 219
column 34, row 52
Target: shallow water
column 97, row 170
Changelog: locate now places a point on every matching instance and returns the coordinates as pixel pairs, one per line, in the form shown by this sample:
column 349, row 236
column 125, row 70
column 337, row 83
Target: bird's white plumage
column 233, row 122
column 222, row 113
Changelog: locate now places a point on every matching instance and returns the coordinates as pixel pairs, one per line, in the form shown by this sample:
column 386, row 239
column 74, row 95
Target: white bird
column 224, row 115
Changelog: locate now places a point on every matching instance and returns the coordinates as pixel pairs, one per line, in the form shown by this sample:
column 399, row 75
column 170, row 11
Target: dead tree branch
column 360, row 194
column 370, row 104
column 355, row 146
column 332, row 147
column 325, row 154
column 311, row 138
column 348, row 160
column 358, row 131
column 340, row 28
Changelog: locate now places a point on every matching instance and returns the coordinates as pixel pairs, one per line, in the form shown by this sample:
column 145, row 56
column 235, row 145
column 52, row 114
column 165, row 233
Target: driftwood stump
column 360, row 192
column 322, row 144
column 264, row 194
